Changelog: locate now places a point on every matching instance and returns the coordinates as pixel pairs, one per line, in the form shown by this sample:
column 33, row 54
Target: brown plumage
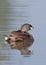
column 21, row 39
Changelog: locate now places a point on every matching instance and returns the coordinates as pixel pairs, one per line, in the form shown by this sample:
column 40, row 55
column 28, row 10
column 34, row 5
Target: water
column 12, row 15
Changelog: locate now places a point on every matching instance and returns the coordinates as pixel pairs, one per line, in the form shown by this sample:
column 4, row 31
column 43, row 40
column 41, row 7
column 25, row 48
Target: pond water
column 14, row 13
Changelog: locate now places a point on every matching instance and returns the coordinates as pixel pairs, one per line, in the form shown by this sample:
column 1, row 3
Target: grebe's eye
column 30, row 25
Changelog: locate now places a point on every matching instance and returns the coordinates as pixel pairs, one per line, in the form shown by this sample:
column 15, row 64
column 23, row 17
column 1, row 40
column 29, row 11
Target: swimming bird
column 21, row 39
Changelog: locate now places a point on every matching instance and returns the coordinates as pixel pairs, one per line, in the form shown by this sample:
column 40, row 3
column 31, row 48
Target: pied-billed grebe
column 21, row 39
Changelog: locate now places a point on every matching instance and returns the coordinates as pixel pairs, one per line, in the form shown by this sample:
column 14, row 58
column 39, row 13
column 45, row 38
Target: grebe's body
column 21, row 39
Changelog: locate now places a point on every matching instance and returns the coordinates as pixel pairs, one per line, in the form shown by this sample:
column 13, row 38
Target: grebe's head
column 26, row 27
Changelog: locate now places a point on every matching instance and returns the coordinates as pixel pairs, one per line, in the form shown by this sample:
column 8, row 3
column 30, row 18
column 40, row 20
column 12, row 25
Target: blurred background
column 14, row 13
